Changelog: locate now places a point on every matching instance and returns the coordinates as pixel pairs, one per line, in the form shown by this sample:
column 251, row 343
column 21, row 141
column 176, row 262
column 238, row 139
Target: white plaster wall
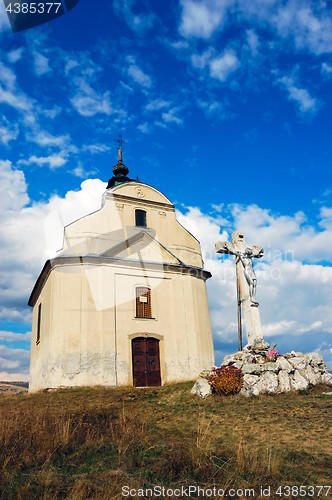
column 88, row 311
column 115, row 222
column 88, row 342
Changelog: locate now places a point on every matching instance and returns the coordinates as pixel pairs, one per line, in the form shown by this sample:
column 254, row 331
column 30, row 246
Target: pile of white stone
column 295, row 371
column 288, row 372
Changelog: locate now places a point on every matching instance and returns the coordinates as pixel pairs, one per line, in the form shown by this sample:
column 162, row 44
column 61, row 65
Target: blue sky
column 226, row 108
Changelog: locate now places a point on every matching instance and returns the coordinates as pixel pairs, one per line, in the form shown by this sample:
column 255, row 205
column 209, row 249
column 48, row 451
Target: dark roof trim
column 119, row 247
column 41, row 280
column 97, row 260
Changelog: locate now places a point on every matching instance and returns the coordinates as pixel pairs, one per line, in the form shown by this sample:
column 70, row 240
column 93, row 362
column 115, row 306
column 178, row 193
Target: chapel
column 124, row 302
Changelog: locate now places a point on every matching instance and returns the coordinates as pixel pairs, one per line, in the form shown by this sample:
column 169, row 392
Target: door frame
column 161, row 354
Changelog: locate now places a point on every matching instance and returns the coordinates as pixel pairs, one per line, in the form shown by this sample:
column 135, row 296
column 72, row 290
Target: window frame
column 140, row 212
column 143, row 310
column 39, row 317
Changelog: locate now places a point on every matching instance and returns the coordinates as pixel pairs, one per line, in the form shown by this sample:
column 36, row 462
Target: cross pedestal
column 246, row 286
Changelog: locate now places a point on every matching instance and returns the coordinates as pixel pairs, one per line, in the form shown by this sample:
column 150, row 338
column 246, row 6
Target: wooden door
column 146, row 362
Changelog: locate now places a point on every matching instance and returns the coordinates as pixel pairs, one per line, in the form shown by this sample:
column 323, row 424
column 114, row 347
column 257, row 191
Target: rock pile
column 266, row 374
column 295, row 371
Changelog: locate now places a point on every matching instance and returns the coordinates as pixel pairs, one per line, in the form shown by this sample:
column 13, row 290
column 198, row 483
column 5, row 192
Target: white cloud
column 156, row 105
column 204, row 227
column 13, row 187
column 326, row 70
column 179, row 45
column 15, row 337
column 291, row 236
column 201, row 19
column 222, row 67
column 139, row 23
column 171, row 117
column 300, row 96
column 50, row 112
column 40, row 63
column 306, row 22
column 293, row 295
column 8, row 131
column 7, row 76
column 14, row 364
column 96, row 148
column 144, row 128
column 87, row 98
column 56, row 149
column 253, row 41
column 13, row 315
column 52, row 161
column 279, row 328
column 202, row 60
column 45, row 139
column 92, row 103
column 4, row 21
column 15, row 100
column 284, row 26
column 10, row 94
column 29, row 236
column 15, row 55
column 309, row 23
column 137, row 74
column 70, row 64
column 166, row 112
column 213, row 108
column 82, row 172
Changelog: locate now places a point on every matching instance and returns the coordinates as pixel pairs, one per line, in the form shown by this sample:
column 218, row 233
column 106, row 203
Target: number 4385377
column 303, row 491
column 33, row 8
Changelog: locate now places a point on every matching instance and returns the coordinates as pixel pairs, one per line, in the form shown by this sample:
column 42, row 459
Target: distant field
column 13, row 387
column 91, row 443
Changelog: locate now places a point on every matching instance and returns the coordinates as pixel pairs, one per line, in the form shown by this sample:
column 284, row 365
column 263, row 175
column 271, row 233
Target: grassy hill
column 13, row 387
column 91, row 443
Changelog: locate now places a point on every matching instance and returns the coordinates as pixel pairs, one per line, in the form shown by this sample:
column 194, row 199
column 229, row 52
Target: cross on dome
column 120, row 141
column 120, row 170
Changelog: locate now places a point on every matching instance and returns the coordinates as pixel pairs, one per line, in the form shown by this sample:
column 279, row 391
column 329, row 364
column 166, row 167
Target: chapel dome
column 120, row 170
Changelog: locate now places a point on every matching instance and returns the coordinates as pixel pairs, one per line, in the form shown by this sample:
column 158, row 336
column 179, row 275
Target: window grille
column 143, row 302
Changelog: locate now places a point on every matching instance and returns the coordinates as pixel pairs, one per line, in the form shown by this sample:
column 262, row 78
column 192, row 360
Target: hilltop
column 92, row 442
column 13, row 387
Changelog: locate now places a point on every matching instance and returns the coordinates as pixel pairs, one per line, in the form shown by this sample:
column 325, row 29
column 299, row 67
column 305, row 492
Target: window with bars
column 143, row 302
column 140, row 218
column 39, row 323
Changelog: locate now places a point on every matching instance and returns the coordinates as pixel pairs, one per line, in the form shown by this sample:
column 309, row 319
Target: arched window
column 143, row 302
column 140, row 218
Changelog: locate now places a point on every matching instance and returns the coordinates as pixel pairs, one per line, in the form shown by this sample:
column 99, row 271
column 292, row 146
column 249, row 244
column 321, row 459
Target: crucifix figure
column 246, row 284
column 246, row 260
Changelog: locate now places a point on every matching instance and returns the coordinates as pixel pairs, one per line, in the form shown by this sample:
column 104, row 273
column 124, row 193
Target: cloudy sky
column 226, row 108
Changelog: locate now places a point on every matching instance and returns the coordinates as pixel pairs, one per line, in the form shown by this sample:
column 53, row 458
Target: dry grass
column 88, row 443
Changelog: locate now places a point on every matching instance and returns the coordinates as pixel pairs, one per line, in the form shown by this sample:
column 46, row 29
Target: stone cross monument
column 246, row 286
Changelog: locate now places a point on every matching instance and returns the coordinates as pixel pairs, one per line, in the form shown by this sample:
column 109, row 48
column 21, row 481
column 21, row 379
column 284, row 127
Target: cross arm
column 257, row 251
column 224, row 247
